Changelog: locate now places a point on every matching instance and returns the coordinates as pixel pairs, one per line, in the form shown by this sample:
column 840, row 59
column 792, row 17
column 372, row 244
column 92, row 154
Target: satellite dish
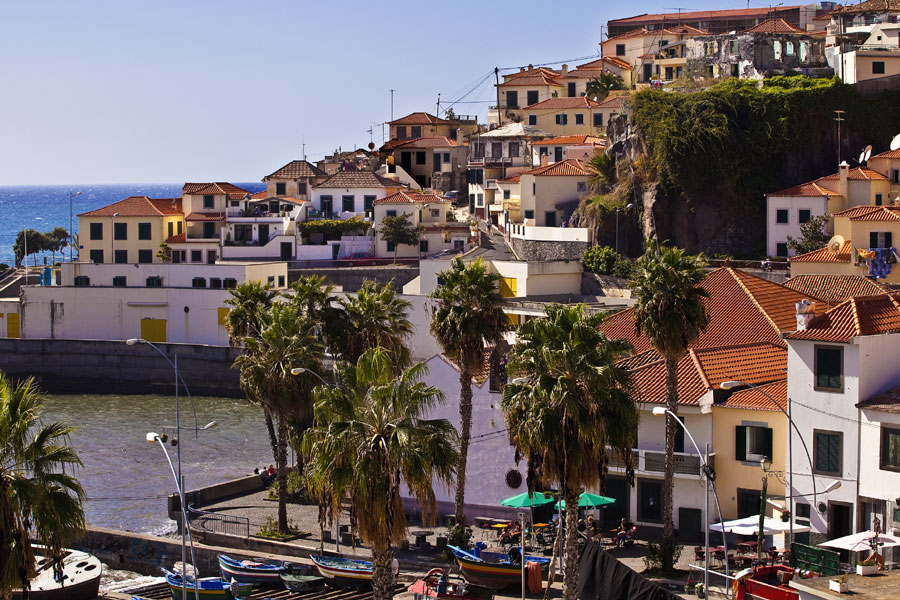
column 867, row 153
column 862, row 157
column 895, row 143
column 835, row 244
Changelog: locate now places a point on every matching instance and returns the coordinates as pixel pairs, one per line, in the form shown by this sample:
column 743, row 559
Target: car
column 452, row 195
column 359, row 259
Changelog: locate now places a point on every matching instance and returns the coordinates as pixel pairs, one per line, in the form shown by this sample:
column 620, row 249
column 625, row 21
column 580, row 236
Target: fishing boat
column 208, row 588
column 344, row 572
column 439, row 583
column 765, row 583
column 80, row 577
column 248, row 571
column 298, row 582
column 495, row 570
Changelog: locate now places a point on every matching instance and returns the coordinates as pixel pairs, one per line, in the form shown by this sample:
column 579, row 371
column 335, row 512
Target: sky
column 193, row 90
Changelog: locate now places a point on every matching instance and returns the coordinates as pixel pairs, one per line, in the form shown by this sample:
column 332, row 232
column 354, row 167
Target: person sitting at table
column 621, row 533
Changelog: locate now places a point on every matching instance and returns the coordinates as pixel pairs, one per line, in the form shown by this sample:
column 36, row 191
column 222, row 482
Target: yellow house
column 528, row 86
column 422, row 124
column 582, row 74
column 565, row 116
column 653, row 55
column 129, row 231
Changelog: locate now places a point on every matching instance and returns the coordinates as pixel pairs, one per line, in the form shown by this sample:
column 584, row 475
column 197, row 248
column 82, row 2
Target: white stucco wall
column 875, row 482
column 778, row 232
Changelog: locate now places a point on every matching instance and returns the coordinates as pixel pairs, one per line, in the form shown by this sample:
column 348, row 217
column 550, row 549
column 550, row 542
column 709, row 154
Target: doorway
column 612, row 514
column 287, row 251
column 263, row 234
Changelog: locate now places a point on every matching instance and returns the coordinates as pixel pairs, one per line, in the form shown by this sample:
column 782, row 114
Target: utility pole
column 392, row 105
column 497, row 87
column 840, row 119
column 438, row 113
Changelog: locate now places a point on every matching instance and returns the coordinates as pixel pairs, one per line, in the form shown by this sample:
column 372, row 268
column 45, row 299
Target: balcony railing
column 648, row 461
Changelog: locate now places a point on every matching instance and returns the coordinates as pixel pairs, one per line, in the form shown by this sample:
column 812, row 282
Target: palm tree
column 671, row 312
column 599, row 88
column 370, row 436
column 285, row 340
column 315, row 299
column 468, row 314
column 39, row 496
column 249, row 301
column 375, row 317
column 570, row 410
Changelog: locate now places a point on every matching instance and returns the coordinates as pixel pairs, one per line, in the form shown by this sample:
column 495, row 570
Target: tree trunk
column 551, row 573
column 668, row 541
column 281, row 466
column 273, row 439
column 382, row 578
column 465, row 432
column 570, row 570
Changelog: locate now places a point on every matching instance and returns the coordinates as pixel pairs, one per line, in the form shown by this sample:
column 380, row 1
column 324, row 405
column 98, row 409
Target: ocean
column 43, row 207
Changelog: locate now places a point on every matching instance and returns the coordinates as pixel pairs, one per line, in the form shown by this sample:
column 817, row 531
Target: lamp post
column 71, row 230
column 618, row 209
column 151, row 438
column 709, row 475
column 766, row 464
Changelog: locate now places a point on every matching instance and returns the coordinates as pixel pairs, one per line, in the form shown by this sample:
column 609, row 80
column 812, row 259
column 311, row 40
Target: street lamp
column 766, row 464
column 709, row 475
column 151, row 438
column 618, row 209
column 71, row 230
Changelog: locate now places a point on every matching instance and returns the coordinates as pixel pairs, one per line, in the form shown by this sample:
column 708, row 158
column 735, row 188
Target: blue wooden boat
column 344, row 572
column 208, row 588
column 256, row 573
column 494, row 570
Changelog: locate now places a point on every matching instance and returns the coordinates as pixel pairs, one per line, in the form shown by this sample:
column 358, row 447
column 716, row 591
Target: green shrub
column 459, row 536
column 269, row 529
column 296, row 488
column 600, row 259
column 3, row 266
column 658, row 561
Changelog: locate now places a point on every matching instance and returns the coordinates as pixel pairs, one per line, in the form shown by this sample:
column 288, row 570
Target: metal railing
column 647, row 461
column 219, row 523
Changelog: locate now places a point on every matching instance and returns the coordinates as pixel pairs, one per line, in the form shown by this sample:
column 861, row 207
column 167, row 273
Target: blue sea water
column 45, row 207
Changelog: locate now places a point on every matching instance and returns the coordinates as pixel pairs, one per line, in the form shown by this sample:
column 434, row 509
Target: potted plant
column 690, row 586
column 701, row 591
column 838, row 584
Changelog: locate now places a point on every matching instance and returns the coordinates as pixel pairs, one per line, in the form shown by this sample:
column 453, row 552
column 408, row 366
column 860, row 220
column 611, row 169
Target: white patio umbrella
column 862, row 541
column 750, row 526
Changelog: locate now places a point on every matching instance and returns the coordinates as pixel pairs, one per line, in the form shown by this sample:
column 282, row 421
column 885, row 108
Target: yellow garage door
column 508, row 287
column 12, row 325
column 153, row 330
column 222, row 316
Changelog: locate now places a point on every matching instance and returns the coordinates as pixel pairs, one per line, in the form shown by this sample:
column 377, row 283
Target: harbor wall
column 97, row 366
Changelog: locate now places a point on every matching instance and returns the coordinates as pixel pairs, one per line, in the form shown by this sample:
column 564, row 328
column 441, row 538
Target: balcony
column 652, row 462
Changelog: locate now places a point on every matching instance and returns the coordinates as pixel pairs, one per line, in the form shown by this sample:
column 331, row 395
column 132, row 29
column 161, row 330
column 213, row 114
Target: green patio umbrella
column 586, row 500
column 525, row 500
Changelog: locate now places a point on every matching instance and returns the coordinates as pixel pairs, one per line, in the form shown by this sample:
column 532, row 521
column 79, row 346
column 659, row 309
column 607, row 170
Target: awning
column 750, row 526
column 862, row 541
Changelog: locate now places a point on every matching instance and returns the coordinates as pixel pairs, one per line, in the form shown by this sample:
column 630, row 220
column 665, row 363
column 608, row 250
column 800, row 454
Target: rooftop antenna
column 840, row 119
column 895, row 143
column 438, row 113
column 304, row 147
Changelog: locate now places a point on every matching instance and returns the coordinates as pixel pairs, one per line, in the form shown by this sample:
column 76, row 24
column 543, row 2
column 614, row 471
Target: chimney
column 545, row 160
column 530, row 68
column 806, row 312
column 521, row 69
column 844, row 189
column 565, row 70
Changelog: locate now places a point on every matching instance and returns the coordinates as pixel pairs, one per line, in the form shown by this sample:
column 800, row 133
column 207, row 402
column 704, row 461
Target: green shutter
column 740, row 443
column 873, row 239
column 888, row 243
column 768, row 442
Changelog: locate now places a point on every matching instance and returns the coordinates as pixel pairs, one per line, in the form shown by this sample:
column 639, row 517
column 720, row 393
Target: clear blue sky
column 124, row 91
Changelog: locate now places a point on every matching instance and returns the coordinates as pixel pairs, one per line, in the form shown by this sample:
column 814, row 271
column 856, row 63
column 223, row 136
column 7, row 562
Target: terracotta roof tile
column 259, row 195
column 513, row 179
column 888, row 401
column 856, row 211
column 684, row 30
column 568, row 167
column 638, row 32
column 297, row 169
column 700, row 15
column 538, row 79
column 834, row 289
column 862, row 315
column 139, row 206
column 888, row 154
column 182, row 238
column 564, row 103
column 756, row 363
column 569, row 140
column 742, row 309
column 805, row 190
column 357, row 179
column 215, row 189
column 412, row 198
column 857, row 174
column 419, row 118
column 750, row 398
column 868, row 6
column 774, row 26
column 614, row 102
column 205, row 217
column 427, row 142
column 881, row 213
column 531, row 72
column 595, row 67
column 824, row 255
column 648, row 383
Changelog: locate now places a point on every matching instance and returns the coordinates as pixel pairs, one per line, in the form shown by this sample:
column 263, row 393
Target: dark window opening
column 144, row 231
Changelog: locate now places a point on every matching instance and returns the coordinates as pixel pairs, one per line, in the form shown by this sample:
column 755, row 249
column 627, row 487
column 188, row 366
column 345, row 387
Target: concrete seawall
column 95, row 366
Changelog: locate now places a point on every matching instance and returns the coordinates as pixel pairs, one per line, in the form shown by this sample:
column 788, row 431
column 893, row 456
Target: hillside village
column 798, row 348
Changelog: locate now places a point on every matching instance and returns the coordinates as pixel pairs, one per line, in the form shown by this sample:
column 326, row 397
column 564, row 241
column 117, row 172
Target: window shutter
column 768, row 442
column 740, row 443
column 873, row 239
column 887, row 240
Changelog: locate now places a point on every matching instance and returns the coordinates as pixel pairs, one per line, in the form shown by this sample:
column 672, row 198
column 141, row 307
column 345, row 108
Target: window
column 171, row 228
column 447, row 157
column 496, row 150
column 890, row 449
column 280, row 189
column 562, row 119
column 209, row 201
column 391, row 246
column 829, row 366
column 789, row 48
column 598, row 119
column 215, row 283
column 119, row 281
column 390, row 213
column 650, row 502
column 735, row 49
column 479, row 199
column 776, row 49
column 878, row 67
column 180, row 225
column 532, row 119
column 514, row 149
column 120, row 257
column 209, row 230
column 478, row 150
column 281, row 281
column 748, row 502
column 803, row 215
column 348, row 203
column 423, row 246
column 827, row 452
column 301, row 188
column 144, row 231
column 416, row 131
column 781, row 249
column 96, row 231
column 154, row 282
column 196, row 255
column 880, row 239
column 579, row 118
column 752, row 442
column 781, row 215
column 82, row 281
column 506, row 194
column 512, row 99
column 581, row 187
column 368, row 203
column 529, row 214
column 401, row 133
column 435, row 213
column 895, row 175
column 210, row 257
column 230, row 283
column 532, row 97
column 679, row 436
column 198, row 282
column 145, row 256
column 620, row 49
column 420, row 158
column 571, row 89
column 878, row 200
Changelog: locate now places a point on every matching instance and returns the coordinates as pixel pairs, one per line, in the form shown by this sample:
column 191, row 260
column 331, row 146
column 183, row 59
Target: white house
column 788, row 209
column 428, row 213
column 348, row 194
column 879, row 462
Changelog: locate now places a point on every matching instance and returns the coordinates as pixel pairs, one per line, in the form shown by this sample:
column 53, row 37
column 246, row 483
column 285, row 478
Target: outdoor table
column 747, row 546
column 541, row 525
column 421, row 536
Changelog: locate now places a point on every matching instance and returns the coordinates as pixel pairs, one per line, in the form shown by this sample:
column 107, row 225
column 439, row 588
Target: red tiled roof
column 753, row 399
column 139, row 206
column 205, row 217
column 614, row 102
column 804, row 190
column 217, row 188
column 868, row 6
column 568, row 167
column 179, row 238
column 881, row 213
column 700, row 15
column 513, row 179
column 296, row 169
column 598, row 65
column 563, row 103
column 824, row 255
column 834, row 289
column 774, row 26
column 888, row 401
column 888, row 154
column 532, row 79
column 419, row 118
column 648, row 382
column 856, row 211
column 684, row 30
column 411, row 198
column 259, row 195
column 863, row 315
column 857, row 174
column 742, row 309
column 357, row 179
column 531, row 72
column 638, row 32
column 427, row 142
column 569, row 140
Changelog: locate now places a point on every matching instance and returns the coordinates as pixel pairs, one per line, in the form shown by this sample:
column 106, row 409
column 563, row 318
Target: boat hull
column 495, row 576
column 762, row 585
column 82, row 578
column 209, row 588
column 263, row 576
column 302, row 583
column 344, row 573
